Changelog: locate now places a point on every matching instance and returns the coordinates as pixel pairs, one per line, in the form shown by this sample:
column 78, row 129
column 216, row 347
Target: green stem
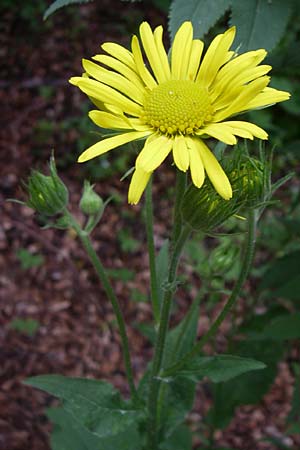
column 151, row 252
column 86, row 242
column 246, row 265
column 160, row 341
column 181, row 181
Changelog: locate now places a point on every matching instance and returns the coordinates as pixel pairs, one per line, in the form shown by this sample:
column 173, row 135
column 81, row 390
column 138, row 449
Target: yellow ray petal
column 114, row 80
column 181, row 49
column 110, row 121
column 240, row 63
column 137, row 185
column 158, row 34
column 215, row 57
column 220, row 132
column 254, row 130
column 228, row 88
column 118, row 66
column 154, row 153
column 214, row 171
column 108, row 144
column 109, row 95
column 119, row 52
column 151, row 52
column 196, row 164
column 149, row 45
column 267, row 97
column 248, row 93
column 194, row 62
column 180, row 153
column 140, row 65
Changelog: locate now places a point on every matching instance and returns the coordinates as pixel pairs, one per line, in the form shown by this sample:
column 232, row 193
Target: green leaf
column 181, row 338
column 28, row 260
column 283, row 276
column 283, row 328
column 95, row 404
column 253, row 17
column 60, row 4
column 219, row 368
column 178, row 401
column 180, row 439
column 26, row 326
column 202, row 13
column 235, row 392
column 69, row 434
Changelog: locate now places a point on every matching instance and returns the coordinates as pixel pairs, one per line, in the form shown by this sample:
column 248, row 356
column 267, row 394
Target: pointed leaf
column 219, row 368
column 202, row 13
column 95, row 404
column 60, row 4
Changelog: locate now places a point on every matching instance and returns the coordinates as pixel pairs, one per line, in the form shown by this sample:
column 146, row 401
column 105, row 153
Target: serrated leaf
column 219, row 368
column 202, row 13
column 253, row 18
column 95, row 404
column 60, row 4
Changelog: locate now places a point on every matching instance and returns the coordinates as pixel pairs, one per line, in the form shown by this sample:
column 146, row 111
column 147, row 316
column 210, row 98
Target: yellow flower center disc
column 177, row 106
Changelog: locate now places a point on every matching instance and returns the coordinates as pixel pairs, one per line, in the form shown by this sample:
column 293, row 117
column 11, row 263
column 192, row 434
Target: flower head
column 175, row 105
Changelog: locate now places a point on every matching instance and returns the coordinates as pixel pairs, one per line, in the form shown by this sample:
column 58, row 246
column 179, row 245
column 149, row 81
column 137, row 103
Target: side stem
column 86, row 242
column 245, row 269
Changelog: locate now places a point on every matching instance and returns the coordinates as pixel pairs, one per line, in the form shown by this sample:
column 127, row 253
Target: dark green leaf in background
column 283, row 276
column 283, row 328
column 260, row 23
column 202, row 13
column 60, row 4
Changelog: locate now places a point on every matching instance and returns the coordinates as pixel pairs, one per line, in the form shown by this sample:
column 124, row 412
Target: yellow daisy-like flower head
column 175, row 105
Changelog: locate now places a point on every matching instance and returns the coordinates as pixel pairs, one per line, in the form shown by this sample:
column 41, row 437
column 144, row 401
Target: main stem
column 151, row 252
column 245, row 269
column 160, row 341
column 86, row 242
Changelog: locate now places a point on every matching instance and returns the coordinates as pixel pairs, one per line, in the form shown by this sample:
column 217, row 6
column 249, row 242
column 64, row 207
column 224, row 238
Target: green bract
column 47, row 194
column 90, row 203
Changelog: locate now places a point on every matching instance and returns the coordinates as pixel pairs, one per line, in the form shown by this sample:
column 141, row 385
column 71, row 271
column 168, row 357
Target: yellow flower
column 175, row 105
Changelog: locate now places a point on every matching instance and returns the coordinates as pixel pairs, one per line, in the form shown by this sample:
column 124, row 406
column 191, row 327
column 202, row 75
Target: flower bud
column 47, row 194
column 91, row 203
column 203, row 208
column 248, row 182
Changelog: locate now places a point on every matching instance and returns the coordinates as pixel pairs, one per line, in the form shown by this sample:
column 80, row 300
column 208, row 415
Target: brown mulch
column 77, row 335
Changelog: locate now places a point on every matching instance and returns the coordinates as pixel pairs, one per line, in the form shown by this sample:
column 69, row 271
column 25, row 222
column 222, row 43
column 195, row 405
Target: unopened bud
column 248, row 182
column 47, row 194
column 91, row 203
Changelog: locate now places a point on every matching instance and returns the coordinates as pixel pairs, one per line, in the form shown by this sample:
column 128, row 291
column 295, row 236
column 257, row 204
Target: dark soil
column 77, row 334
